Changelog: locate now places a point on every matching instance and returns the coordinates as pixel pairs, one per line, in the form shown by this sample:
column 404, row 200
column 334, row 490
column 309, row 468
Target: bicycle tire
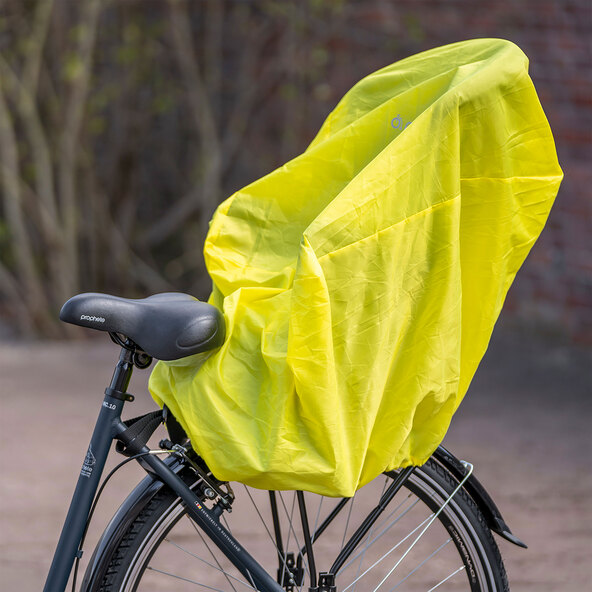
column 139, row 560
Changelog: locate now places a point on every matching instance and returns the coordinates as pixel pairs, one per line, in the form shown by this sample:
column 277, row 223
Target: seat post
column 122, row 374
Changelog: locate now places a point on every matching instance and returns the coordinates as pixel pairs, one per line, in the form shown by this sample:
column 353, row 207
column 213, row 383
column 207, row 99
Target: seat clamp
column 119, row 395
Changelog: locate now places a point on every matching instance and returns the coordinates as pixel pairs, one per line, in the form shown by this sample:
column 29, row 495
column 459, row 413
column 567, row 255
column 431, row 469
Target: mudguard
column 480, row 496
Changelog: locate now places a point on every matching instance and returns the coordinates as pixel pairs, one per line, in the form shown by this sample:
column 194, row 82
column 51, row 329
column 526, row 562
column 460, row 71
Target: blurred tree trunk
column 123, row 125
column 25, row 273
column 69, row 143
column 30, row 302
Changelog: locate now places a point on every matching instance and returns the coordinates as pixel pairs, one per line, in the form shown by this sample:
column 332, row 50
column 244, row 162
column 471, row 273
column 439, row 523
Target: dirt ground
column 525, row 424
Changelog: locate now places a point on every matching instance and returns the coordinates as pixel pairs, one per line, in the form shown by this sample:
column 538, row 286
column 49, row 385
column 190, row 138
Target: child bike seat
column 166, row 326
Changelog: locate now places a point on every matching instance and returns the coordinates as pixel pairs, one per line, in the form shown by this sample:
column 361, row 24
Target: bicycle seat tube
column 92, row 468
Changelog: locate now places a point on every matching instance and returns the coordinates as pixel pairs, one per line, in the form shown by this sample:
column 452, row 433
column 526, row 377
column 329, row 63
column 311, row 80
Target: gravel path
column 525, row 424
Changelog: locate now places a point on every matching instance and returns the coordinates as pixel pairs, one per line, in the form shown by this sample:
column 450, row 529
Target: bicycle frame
column 108, row 427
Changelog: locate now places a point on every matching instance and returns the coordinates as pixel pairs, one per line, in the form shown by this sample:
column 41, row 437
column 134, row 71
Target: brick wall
column 553, row 291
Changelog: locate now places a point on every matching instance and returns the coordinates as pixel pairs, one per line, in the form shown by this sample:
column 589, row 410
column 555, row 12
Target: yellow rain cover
column 361, row 281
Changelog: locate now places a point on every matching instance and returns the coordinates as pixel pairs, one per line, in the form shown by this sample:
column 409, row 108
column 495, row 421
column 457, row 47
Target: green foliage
column 5, row 257
column 72, row 67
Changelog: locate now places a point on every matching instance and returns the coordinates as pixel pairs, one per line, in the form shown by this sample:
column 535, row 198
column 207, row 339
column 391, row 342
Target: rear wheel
column 164, row 550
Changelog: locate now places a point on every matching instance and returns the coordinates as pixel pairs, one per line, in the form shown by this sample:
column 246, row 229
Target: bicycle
column 418, row 528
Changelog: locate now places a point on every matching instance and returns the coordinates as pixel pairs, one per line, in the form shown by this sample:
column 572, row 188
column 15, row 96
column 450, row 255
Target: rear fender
column 480, row 496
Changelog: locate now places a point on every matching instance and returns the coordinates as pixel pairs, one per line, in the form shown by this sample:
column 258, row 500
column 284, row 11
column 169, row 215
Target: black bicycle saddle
column 166, row 326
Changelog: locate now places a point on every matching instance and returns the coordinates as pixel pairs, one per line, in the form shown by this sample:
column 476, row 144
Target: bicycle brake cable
column 226, row 497
column 94, row 505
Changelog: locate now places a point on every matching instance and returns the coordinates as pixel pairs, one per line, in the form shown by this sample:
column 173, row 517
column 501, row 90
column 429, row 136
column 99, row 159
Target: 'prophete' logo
column 93, row 319
column 397, row 122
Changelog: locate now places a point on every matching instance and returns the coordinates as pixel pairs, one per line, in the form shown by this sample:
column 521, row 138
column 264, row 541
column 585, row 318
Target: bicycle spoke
column 447, row 578
column 252, row 581
column 273, row 541
column 211, row 552
column 351, row 507
column 204, row 561
column 384, row 531
column 371, row 531
column 225, row 522
column 166, row 573
column 290, row 517
column 291, row 530
column 421, row 564
column 388, row 553
column 314, row 530
column 261, row 518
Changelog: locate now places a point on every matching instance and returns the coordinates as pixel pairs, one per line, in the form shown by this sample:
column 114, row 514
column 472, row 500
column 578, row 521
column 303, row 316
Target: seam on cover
column 423, row 212
column 529, row 177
